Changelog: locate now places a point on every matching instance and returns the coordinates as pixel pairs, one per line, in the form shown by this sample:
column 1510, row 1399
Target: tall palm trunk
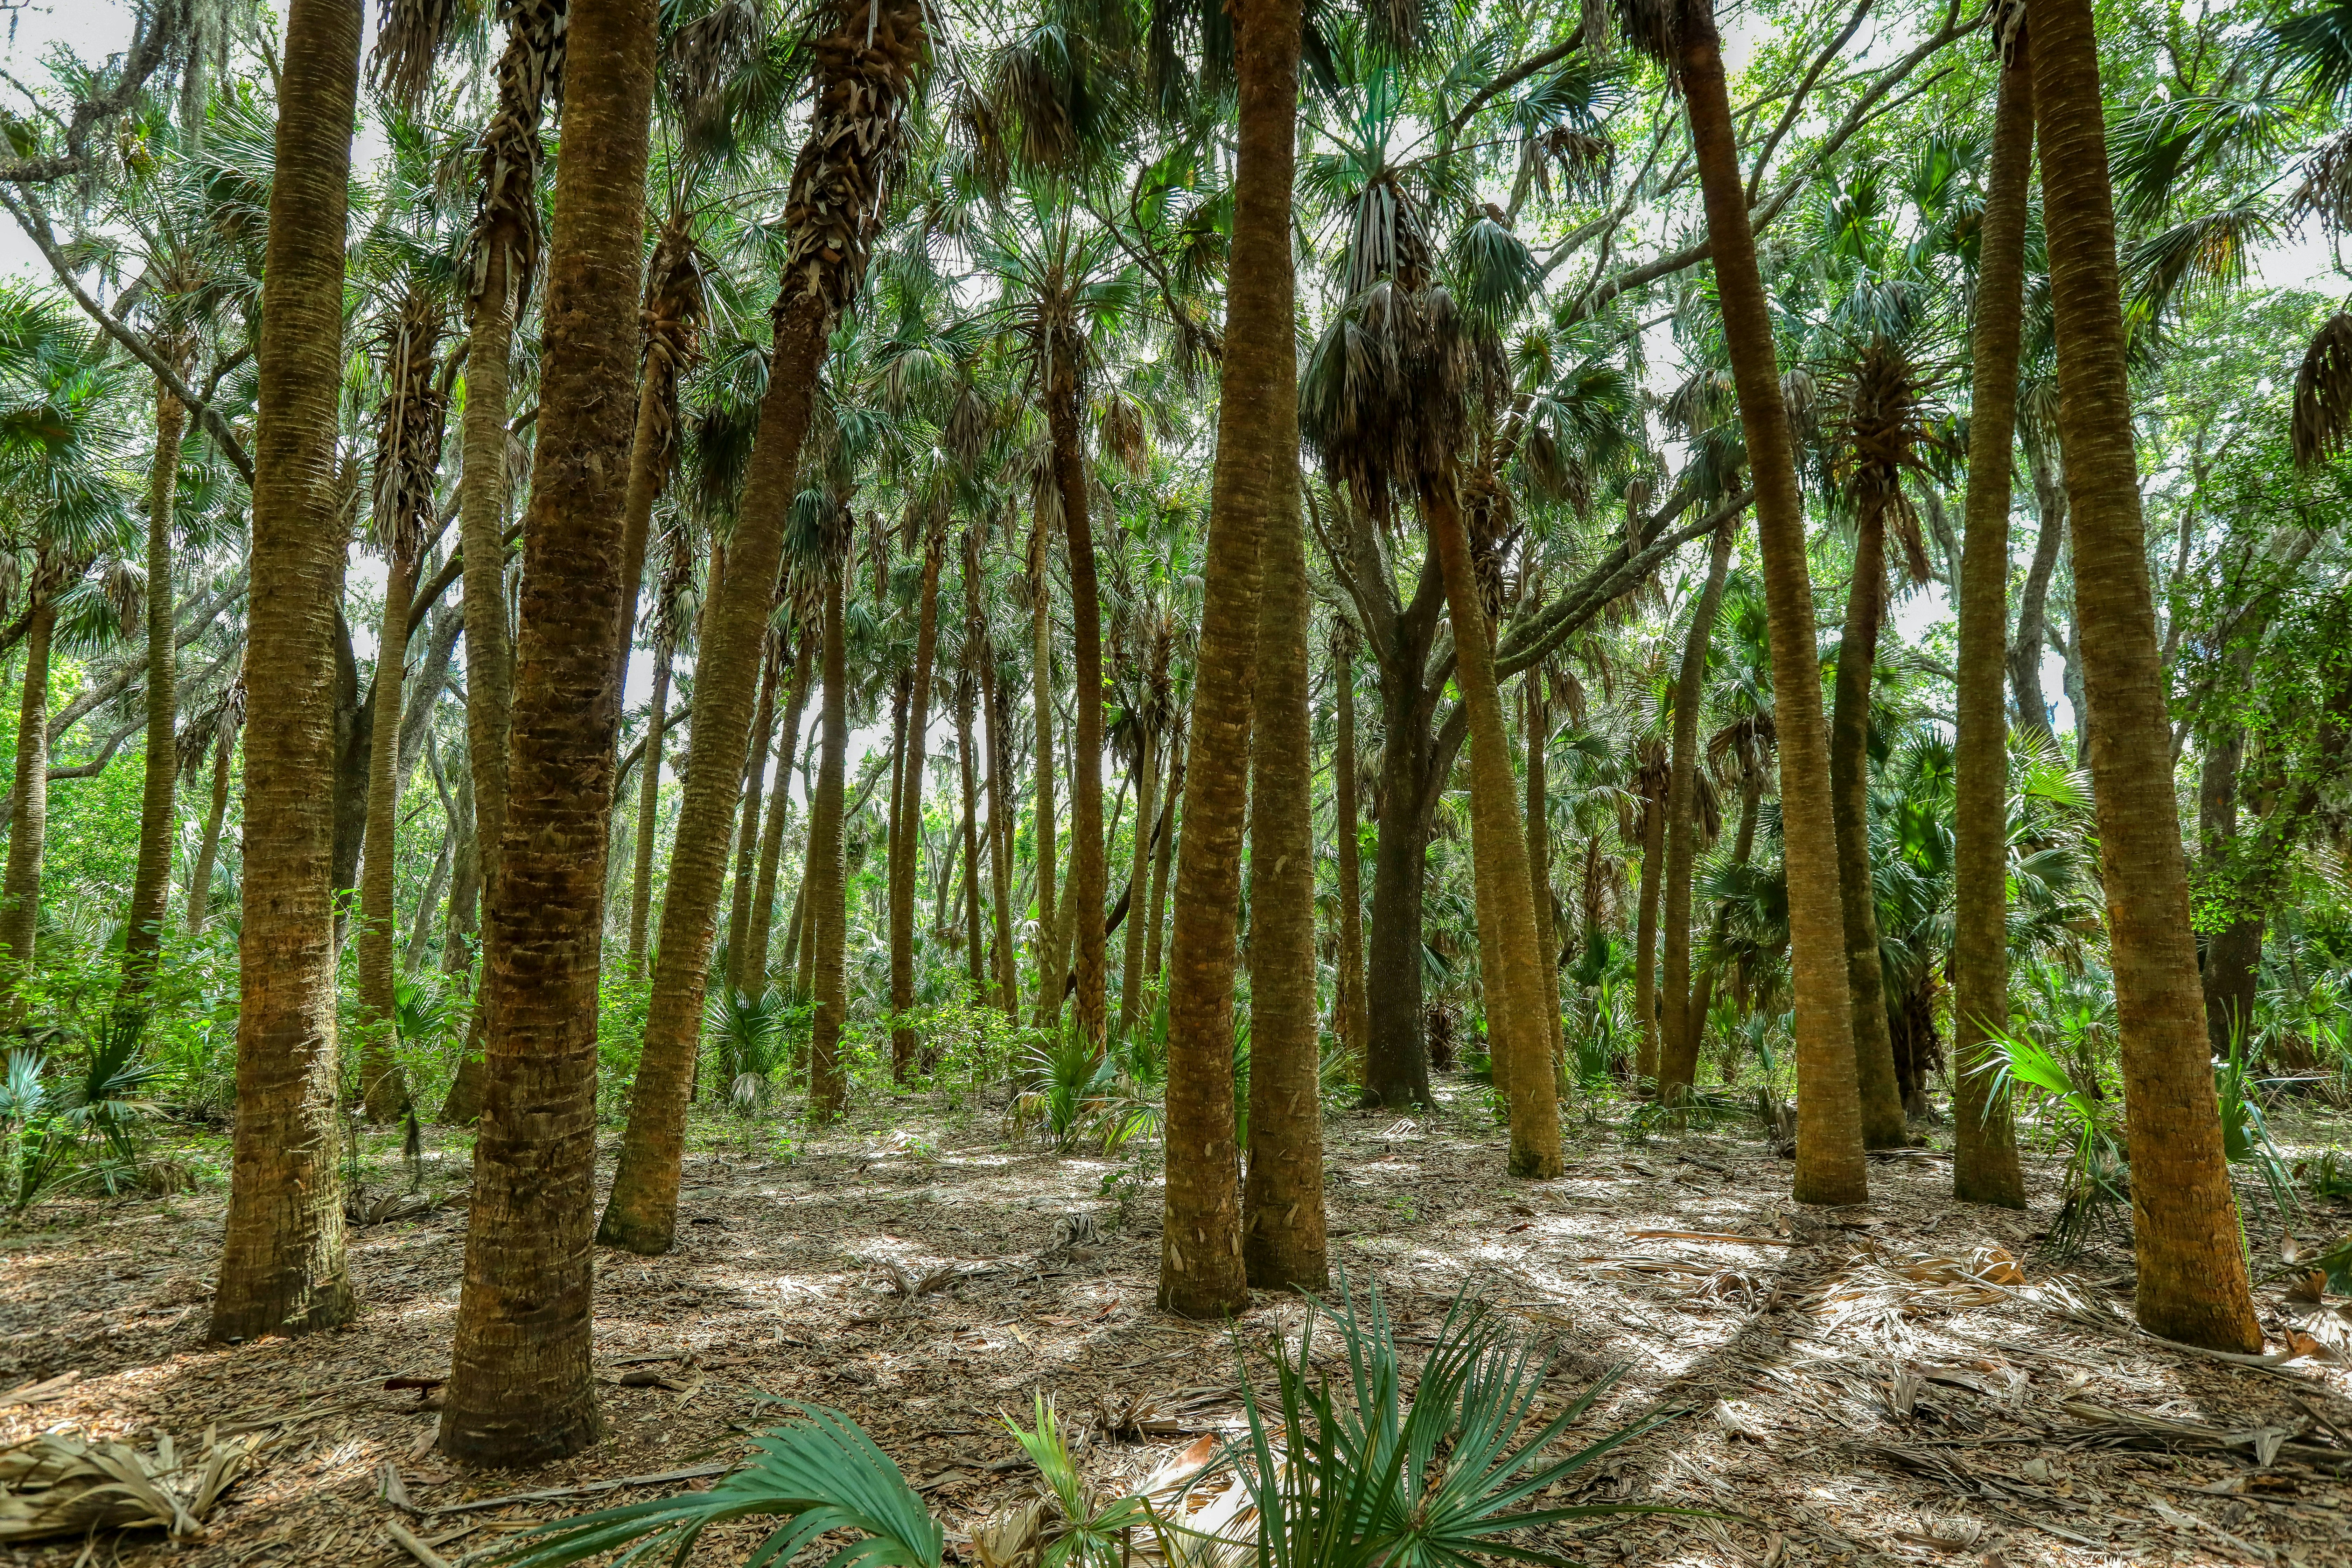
column 1048, row 1013
column 854, row 148
column 1651, row 788
column 1984, row 1138
column 465, row 885
column 1830, row 1165
column 747, row 835
column 1131, row 979
column 1350, row 1024
column 754, row 965
column 384, row 1090
column 1500, row 847
column 420, row 928
column 1000, row 821
column 283, row 1268
column 967, row 774
column 1678, row 1055
column 1201, row 1271
column 641, row 876
column 1283, row 1241
column 1155, row 940
column 2025, row 649
column 1089, row 851
column 1538, row 830
column 1873, row 1044
column 826, row 922
column 521, row 1390
column 2192, row 1269
column 1743, row 844
column 909, row 813
column 151, row 887
column 200, row 884
column 28, row 821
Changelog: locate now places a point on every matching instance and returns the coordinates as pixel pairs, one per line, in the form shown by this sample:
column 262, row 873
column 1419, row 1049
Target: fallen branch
column 588, row 1488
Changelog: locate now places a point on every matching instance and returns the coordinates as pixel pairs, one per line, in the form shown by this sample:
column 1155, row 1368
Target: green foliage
column 2077, row 1113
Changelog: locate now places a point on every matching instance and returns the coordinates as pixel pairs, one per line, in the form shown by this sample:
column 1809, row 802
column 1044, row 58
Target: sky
column 98, row 27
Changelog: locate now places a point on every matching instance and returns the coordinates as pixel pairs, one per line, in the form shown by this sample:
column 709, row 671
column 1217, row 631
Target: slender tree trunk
column 458, row 936
column 1678, row 1064
column 1131, row 979
column 828, row 1086
column 1396, row 1057
column 150, row 888
column 2192, row 1269
column 1873, row 1045
column 1984, row 1138
column 1283, row 1242
column 283, row 1268
column 1089, row 851
column 28, row 823
column 640, row 877
column 754, row 966
column 200, row 885
column 420, row 931
column 1645, row 925
column 747, row 835
column 1163, row 862
column 2024, row 653
column 1539, row 829
column 521, row 1390
column 1048, row 1014
column 909, row 815
column 967, row 774
column 1351, row 1024
column 1000, row 819
column 1495, row 819
column 1830, row 1165
column 384, row 1090
column 1201, row 1270
column 1742, row 844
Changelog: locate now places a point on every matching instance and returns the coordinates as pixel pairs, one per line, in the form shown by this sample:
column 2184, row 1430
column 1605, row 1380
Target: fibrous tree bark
column 1678, row 1052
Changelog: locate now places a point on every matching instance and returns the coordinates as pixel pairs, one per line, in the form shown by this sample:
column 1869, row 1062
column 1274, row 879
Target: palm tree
column 1984, row 1138
column 1048, row 1012
column 868, row 77
column 1200, row 1269
column 822, row 890
column 672, row 613
column 1350, row 1023
column 908, row 811
column 150, row 888
column 1678, row 1052
column 221, row 730
column 521, row 1390
column 408, row 457
column 1651, row 781
column 282, row 1262
column 1681, row 34
column 2192, row 1270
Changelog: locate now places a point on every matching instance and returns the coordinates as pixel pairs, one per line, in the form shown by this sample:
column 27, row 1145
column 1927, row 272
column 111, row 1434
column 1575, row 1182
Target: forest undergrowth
column 1913, row 1380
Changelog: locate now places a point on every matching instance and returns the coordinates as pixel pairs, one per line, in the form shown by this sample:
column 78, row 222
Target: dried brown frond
column 866, row 70
column 408, row 43
column 2327, row 188
column 1125, row 432
column 2323, row 393
column 529, row 76
column 410, row 421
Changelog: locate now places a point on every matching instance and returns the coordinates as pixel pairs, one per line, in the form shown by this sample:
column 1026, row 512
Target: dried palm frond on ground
column 58, row 1484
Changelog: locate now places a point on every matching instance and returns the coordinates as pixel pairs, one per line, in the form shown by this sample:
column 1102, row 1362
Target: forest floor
column 1905, row 1381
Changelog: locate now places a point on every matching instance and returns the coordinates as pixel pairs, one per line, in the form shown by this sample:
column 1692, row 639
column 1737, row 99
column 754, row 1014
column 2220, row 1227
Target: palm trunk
column 28, row 821
column 1201, row 1271
column 1350, row 1024
column 1873, row 1045
column 1396, row 1057
column 1538, row 830
column 458, row 935
column 909, row 815
column 150, row 888
column 641, row 878
column 1500, row 850
column 1089, row 851
column 521, row 1390
column 384, row 1090
column 1831, row 1168
column 828, row 1087
column 1163, row 862
column 754, row 965
column 1646, row 930
column 1678, row 1064
column 1131, row 980
column 1048, row 1013
column 747, row 834
column 283, row 1268
column 1000, row 819
column 966, row 772
column 200, row 885
column 2192, row 1268
column 1283, row 1241
column 2025, row 649
column 1742, row 844
column 1984, row 1138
